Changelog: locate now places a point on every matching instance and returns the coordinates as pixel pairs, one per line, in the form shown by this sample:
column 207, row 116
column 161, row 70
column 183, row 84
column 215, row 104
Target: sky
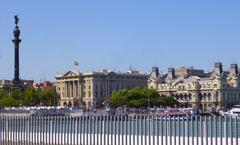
column 117, row 34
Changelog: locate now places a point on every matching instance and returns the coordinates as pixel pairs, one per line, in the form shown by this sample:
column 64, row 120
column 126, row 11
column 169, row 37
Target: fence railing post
column 70, row 130
column 115, row 129
column 231, row 130
column 29, row 129
column 84, row 130
column 187, row 132
column 157, row 129
column 94, row 130
column 197, row 128
column 89, row 128
column 130, row 127
column 81, row 130
column 236, row 130
column 226, row 131
column 221, row 130
column 107, row 127
column 216, row 131
column 50, row 133
column 170, row 129
column 192, row 129
column 1, row 131
column 206, row 130
column 11, row 130
column 97, row 129
column 126, row 129
column 183, row 129
column 179, row 131
column 32, row 129
column 119, row 129
column 153, row 130
column 211, row 130
column 141, row 128
column 7, row 131
column 201, row 129
column 101, row 130
column 149, row 129
column 134, row 125
column 56, row 130
column 77, row 130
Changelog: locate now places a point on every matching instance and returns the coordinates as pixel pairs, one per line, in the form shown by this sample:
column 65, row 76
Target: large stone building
column 195, row 88
column 91, row 89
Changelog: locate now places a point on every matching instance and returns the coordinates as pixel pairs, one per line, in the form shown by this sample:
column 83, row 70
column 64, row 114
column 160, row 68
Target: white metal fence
column 119, row 130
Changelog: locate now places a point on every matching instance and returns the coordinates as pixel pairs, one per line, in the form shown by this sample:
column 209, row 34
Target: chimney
column 234, row 70
column 155, row 72
column 171, row 73
column 218, row 68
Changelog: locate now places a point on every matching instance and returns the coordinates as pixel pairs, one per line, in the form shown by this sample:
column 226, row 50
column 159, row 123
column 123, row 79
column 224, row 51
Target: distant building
column 7, row 84
column 196, row 88
column 45, row 84
column 91, row 89
column 27, row 83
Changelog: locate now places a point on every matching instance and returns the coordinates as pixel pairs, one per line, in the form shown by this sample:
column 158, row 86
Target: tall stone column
column 65, row 89
column 77, row 89
column 70, row 89
column 16, row 41
column 79, row 93
column 74, row 88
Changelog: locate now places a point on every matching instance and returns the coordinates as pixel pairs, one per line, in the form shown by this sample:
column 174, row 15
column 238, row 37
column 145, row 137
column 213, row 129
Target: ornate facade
column 91, row 89
column 194, row 88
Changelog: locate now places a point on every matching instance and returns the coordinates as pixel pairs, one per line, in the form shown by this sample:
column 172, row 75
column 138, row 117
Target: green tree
column 139, row 97
column 29, row 97
column 9, row 102
column 169, row 101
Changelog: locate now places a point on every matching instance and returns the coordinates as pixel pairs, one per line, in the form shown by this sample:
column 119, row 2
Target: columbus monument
column 16, row 82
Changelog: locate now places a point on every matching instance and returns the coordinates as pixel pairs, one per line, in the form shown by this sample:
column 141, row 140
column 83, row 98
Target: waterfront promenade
column 120, row 130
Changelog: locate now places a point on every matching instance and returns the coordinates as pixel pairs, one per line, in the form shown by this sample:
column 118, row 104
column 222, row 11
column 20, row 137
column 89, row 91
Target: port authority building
column 198, row 89
column 91, row 89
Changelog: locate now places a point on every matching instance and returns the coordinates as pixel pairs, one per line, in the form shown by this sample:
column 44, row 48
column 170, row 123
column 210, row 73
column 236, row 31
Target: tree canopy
column 139, row 97
column 29, row 97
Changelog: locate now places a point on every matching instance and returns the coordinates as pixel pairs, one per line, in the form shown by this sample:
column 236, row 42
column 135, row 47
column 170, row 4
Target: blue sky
column 115, row 34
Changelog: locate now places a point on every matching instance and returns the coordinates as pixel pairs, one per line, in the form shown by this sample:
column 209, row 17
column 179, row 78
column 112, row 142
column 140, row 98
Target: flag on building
column 76, row 63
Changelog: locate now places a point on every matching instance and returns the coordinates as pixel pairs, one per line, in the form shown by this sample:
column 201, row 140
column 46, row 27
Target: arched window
column 89, row 94
column 209, row 96
column 200, row 96
column 69, row 104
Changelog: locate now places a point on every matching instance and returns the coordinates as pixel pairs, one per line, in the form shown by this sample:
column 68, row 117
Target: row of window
column 231, row 96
